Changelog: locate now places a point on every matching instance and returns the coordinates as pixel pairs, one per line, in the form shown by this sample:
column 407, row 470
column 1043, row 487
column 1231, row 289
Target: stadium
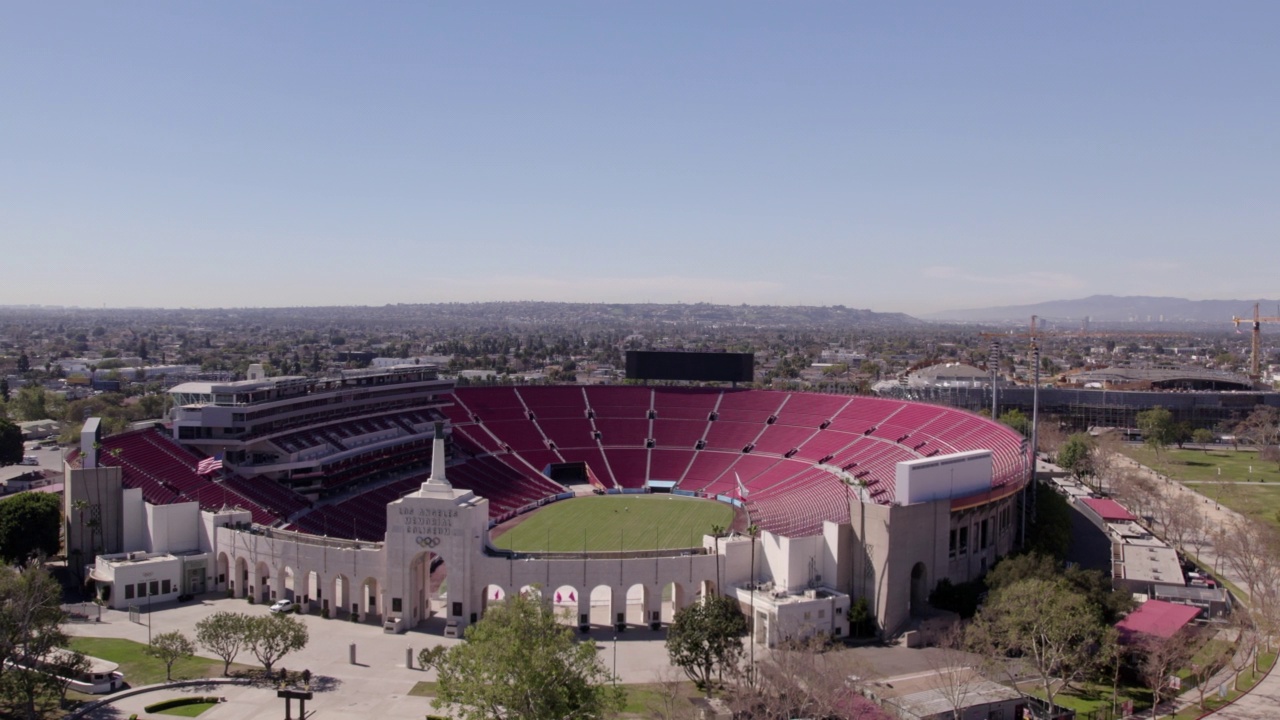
column 380, row 493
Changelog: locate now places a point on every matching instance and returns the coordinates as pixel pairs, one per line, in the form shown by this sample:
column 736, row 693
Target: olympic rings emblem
column 428, row 541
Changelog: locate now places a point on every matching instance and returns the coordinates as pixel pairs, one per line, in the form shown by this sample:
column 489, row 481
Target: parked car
column 282, row 606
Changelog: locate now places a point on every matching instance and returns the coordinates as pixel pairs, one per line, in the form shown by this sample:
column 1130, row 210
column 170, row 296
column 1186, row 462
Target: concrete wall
column 174, row 528
column 101, row 488
column 135, row 536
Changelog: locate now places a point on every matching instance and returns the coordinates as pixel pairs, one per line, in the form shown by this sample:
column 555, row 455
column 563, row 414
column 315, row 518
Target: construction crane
column 1255, row 362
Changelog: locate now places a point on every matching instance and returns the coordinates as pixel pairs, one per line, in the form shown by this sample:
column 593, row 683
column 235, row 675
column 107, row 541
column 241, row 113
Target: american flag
column 209, row 465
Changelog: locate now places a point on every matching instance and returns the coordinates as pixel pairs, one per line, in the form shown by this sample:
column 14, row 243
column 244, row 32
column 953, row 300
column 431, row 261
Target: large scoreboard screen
column 696, row 366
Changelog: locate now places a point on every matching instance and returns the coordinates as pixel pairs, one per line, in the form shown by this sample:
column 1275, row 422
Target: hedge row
column 179, row 702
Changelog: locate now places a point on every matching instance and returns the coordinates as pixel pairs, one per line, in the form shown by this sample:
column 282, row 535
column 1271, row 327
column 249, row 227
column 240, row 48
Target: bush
column 297, row 608
column 324, row 612
column 178, row 702
column 355, row 617
column 961, row 599
column 249, row 598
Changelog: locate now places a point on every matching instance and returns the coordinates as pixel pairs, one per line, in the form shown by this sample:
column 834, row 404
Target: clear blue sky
column 892, row 155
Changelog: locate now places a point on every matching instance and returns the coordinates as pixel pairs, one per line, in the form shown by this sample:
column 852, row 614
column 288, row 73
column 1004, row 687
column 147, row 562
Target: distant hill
column 1137, row 309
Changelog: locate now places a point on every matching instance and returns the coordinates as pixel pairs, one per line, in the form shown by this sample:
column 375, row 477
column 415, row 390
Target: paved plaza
column 377, row 686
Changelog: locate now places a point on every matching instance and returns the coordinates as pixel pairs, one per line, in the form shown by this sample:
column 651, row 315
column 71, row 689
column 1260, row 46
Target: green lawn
column 139, row 668
column 1256, row 493
column 1091, row 696
column 425, row 688
column 644, row 699
column 191, row 710
column 1201, row 465
column 617, row 522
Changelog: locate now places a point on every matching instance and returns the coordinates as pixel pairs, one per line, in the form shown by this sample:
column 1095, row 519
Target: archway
column 427, row 590
column 674, row 597
column 341, row 596
column 222, row 572
column 919, row 589
column 602, row 610
column 706, row 589
column 311, row 590
column 492, row 594
column 262, row 577
column 290, row 587
column 564, row 602
column 635, row 612
column 241, row 580
column 369, row 605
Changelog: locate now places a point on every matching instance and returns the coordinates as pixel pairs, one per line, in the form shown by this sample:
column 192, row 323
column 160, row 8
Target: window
column 806, row 614
column 128, row 592
column 155, row 587
column 164, row 587
column 951, row 550
column 395, row 604
column 982, row 537
column 142, row 589
column 822, row 614
column 964, row 540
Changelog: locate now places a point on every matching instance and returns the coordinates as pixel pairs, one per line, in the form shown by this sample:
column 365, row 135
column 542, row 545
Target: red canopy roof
column 1109, row 510
column 1157, row 618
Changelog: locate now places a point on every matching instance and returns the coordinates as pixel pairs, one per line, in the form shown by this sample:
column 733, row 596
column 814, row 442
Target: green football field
column 617, row 522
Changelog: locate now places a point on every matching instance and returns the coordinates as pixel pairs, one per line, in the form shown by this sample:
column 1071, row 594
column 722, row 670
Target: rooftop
column 1148, row 564
column 1156, row 618
column 1108, row 510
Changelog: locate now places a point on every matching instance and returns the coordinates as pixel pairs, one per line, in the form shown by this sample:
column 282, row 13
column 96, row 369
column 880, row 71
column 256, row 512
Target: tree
column 1017, row 420
column 798, row 680
column 1043, row 626
column 29, row 403
column 1262, row 427
column 428, row 657
column 4, row 390
column 1161, row 658
column 1092, row 584
column 1270, row 453
column 31, row 634
column 1204, row 437
column 1158, row 428
column 171, row 647
column 30, row 524
column 223, row 634
column 271, row 637
column 705, row 638
column 1076, row 455
column 953, row 677
column 520, row 662
column 10, row 443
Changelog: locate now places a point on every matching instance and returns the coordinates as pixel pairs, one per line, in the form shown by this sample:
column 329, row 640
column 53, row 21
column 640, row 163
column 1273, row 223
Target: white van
column 30, row 460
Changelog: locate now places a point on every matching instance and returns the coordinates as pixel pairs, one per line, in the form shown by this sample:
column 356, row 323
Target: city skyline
column 906, row 158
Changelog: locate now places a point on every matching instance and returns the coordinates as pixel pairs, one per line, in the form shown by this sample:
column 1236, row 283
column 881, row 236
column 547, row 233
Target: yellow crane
column 1255, row 362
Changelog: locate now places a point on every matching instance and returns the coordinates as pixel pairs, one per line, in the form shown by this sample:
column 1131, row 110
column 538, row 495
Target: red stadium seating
column 504, row 437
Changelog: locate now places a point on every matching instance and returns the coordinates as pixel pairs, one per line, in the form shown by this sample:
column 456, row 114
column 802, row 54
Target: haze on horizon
column 901, row 157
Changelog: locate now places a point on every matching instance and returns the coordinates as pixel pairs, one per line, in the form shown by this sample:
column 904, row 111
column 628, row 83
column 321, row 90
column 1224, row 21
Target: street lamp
column 615, row 660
